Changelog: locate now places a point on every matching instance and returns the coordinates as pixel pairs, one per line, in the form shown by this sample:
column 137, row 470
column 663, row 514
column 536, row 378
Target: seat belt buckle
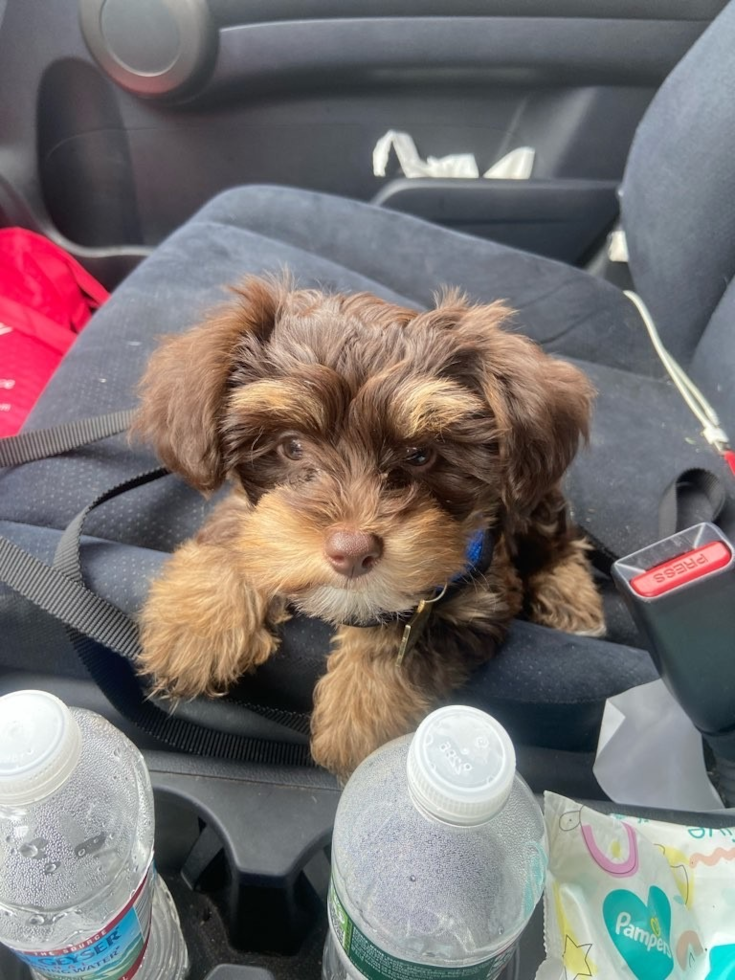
column 681, row 594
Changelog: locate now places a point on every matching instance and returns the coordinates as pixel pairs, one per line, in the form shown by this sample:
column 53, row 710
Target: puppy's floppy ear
column 541, row 406
column 183, row 389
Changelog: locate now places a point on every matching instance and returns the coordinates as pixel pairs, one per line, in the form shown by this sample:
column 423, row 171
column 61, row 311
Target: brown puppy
column 366, row 445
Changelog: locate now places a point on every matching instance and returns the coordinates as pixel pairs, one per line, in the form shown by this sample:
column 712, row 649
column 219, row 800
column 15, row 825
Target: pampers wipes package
column 628, row 897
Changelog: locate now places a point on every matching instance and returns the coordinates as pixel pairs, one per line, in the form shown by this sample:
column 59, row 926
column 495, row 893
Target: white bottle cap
column 40, row 745
column 461, row 765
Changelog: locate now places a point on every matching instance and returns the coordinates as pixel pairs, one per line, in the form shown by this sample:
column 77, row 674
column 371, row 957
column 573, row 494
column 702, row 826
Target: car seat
column 678, row 201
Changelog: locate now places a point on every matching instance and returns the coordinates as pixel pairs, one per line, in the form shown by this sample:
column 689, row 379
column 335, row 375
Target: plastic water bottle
column 438, row 858
column 79, row 894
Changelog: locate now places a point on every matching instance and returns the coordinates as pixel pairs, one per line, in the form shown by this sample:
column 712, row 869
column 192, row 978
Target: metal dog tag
column 413, row 629
column 417, row 624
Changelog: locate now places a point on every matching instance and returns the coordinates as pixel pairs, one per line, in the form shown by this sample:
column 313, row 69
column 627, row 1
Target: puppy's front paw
column 339, row 745
column 201, row 626
column 564, row 597
column 363, row 701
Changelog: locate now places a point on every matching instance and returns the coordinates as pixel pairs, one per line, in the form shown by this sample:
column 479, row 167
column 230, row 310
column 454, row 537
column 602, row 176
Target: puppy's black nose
column 352, row 553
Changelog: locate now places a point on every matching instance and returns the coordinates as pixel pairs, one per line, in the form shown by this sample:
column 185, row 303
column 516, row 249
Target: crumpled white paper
column 516, row 165
column 650, row 754
column 455, row 165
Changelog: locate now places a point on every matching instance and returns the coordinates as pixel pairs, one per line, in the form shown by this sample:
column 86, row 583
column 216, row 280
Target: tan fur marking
column 429, row 406
column 288, row 400
column 282, row 551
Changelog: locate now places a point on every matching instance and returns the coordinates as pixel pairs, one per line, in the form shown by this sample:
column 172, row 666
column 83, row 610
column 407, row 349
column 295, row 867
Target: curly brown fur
column 313, row 407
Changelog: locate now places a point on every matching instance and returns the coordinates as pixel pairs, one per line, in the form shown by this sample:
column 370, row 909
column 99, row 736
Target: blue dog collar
column 479, row 555
column 474, row 555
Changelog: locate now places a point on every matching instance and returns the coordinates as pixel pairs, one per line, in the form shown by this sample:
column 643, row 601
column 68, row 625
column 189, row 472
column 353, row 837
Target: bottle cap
column 461, row 765
column 40, row 745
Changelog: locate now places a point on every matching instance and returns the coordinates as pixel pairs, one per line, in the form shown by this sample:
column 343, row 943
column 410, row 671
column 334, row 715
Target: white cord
column 698, row 404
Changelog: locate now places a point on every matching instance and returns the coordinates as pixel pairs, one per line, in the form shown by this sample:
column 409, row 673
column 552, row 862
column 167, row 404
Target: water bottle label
column 113, row 953
column 375, row 964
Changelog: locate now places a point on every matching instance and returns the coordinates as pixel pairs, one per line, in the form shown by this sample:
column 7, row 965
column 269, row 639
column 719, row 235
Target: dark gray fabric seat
column 640, row 429
column 340, row 245
column 643, row 436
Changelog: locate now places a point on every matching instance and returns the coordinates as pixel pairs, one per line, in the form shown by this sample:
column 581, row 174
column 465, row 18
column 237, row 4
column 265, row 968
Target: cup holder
column 246, row 858
column 247, row 863
column 245, row 854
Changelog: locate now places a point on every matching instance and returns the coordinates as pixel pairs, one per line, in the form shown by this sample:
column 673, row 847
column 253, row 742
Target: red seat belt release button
column 729, row 457
column 681, row 570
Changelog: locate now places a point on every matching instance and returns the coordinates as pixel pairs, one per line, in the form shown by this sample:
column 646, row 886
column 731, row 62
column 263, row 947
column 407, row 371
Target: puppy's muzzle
column 352, row 553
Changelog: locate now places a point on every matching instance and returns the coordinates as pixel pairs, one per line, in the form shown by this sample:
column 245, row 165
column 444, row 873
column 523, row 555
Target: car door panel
column 111, row 155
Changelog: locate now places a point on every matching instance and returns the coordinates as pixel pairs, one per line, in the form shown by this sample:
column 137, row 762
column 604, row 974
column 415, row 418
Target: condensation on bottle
column 439, row 856
column 79, row 892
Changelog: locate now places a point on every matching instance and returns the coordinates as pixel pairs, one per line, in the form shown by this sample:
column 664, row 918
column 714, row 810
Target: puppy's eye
column 291, row 448
column 419, row 458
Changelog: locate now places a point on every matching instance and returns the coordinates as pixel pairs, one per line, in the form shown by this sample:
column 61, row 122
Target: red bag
column 46, row 298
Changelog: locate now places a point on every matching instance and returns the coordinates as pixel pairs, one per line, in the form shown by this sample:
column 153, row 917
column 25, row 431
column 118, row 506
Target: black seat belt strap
column 96, row 626
column 27, row 447
column 695, row 496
